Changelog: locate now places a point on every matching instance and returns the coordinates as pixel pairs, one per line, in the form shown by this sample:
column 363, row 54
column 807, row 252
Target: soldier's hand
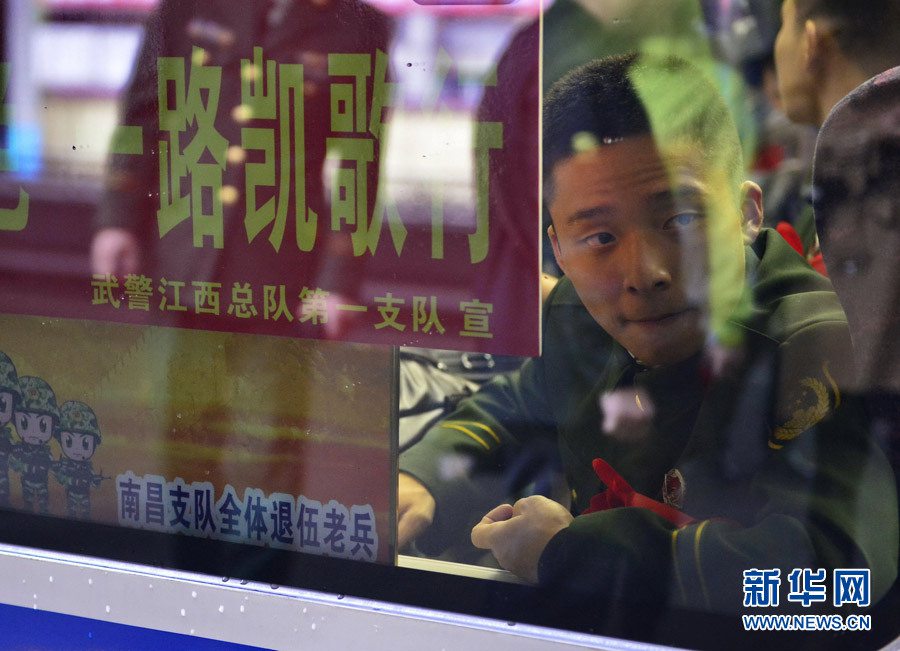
column 415, row 509
column 115, row 251
column 518, row 534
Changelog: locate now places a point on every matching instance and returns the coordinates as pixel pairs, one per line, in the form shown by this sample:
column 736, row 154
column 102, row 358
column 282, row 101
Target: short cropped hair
column 619, row 97
column 867, row 31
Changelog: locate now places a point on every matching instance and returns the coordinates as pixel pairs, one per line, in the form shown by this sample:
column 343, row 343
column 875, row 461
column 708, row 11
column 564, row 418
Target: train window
column 559, row 313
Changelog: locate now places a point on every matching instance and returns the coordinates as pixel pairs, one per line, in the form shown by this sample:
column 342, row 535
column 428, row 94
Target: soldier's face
column 33, row 428
column 861, row 236
column 6, row 407
column 78, row 447
column 630, row 232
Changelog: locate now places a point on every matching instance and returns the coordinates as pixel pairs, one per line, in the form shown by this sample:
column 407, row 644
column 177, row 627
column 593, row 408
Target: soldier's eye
column 68, row 441
column 4, row 403
column 683, row 219
column 23, row 422
column 599, row 240
column 85, row 444
column 43, row 426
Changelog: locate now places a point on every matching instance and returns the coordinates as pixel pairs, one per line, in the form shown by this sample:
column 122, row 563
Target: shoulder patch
column 811, row 400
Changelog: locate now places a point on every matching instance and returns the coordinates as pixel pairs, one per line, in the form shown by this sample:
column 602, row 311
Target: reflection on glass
column 693, row 381
column 276, row 173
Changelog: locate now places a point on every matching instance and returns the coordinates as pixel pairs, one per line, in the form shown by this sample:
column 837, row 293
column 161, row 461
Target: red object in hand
column 620, row 493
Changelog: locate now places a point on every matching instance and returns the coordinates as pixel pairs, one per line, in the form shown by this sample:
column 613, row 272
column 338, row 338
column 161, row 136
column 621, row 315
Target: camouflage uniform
column 78, row 478
column 9, row 383
column 76, row 475
column 31, row 460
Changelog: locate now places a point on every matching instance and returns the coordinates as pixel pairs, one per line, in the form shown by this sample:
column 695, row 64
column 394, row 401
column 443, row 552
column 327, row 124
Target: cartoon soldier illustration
column 36, row 418
column 79, row 436
column 9, row 398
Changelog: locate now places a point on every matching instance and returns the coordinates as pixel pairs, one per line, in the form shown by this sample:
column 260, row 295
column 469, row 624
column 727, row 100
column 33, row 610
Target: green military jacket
column 773, row 461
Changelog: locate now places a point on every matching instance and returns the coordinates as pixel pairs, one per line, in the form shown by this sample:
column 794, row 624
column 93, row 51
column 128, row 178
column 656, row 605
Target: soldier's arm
column 465, row 461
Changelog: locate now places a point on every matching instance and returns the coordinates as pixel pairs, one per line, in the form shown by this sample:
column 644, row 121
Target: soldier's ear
column 557, row 253
column 751, row 211
column 811, row 42
column 819, row 44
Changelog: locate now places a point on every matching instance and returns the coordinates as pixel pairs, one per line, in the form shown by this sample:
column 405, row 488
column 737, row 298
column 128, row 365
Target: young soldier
column 857, row 209
column 79, row 436
column 838, row 64
column 36, row 418
column 826, row 48
column 746, row 457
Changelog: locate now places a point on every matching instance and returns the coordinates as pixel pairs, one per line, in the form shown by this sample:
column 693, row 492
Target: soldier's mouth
column 659, row 320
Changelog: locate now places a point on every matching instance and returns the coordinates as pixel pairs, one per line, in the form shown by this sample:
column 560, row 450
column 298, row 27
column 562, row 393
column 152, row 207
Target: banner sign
column 252, row 439
column 303, row 171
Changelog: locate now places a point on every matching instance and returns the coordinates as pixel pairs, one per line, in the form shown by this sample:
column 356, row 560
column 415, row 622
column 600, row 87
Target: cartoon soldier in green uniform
column 79, row 436
column 36, row 418
column 9, row 398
